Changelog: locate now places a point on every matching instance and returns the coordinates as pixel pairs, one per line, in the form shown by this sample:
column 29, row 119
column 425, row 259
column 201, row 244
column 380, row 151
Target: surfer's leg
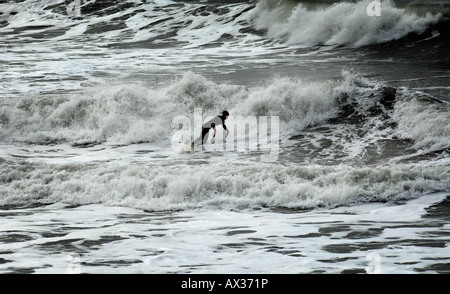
column 205, row 135
column 196, row 141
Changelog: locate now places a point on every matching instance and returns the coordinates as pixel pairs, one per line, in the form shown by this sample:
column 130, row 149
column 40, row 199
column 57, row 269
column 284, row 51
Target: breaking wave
column 219, row 185
column 126, row 114
column 342, row 23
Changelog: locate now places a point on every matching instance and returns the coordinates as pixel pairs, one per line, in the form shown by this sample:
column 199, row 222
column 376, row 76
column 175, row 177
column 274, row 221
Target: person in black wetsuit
column 218, row 120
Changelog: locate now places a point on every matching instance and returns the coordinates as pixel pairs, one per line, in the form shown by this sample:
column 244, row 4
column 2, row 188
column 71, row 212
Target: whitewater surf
column 90, row 181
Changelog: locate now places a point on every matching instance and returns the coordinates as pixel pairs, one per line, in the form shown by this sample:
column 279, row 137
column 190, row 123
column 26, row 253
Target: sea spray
column 339, row 24
column 223, row 185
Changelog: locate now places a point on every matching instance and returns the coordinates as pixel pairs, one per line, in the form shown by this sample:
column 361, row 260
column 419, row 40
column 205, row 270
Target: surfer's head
column 225, row 114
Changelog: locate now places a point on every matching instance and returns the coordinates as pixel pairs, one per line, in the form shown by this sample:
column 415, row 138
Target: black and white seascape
column 348, row 171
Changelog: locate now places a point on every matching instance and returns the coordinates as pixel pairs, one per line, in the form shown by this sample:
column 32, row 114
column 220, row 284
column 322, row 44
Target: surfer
column 218, row 120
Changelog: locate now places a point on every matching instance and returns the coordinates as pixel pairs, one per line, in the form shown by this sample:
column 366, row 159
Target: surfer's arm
column 226, row 129
column 213, row 125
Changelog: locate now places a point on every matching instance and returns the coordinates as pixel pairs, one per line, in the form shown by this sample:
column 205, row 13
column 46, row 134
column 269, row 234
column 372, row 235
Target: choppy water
column 89, row 181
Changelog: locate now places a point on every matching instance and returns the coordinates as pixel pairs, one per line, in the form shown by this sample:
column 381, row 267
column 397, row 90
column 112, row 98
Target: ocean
column 337, row 159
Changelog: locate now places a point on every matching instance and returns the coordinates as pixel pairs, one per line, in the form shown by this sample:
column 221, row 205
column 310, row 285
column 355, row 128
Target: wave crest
column 219, row 185
column 339, row 24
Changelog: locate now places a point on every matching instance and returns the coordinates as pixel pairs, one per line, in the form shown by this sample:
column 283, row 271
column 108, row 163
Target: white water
column 113, row 170
column 375, row 238
column 89, row 180
column 339, row 24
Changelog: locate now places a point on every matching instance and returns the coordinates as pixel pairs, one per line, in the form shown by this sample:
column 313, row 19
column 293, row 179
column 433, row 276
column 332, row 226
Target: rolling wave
column 343, row 23
column 348, row 139
column 216, row 185
column 159, row 24
column 126, row 114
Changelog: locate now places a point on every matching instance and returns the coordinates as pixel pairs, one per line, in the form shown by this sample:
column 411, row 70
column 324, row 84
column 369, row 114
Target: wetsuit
column 218, row 120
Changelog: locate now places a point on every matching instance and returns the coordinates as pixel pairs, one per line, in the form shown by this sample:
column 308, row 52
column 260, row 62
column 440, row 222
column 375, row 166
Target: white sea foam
column 297, row 103
column 339, row 24
column 352, row 162
column 111, row 42
column 97, row 238
column 127, row 114
column 424, row 122
column 220, row 184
